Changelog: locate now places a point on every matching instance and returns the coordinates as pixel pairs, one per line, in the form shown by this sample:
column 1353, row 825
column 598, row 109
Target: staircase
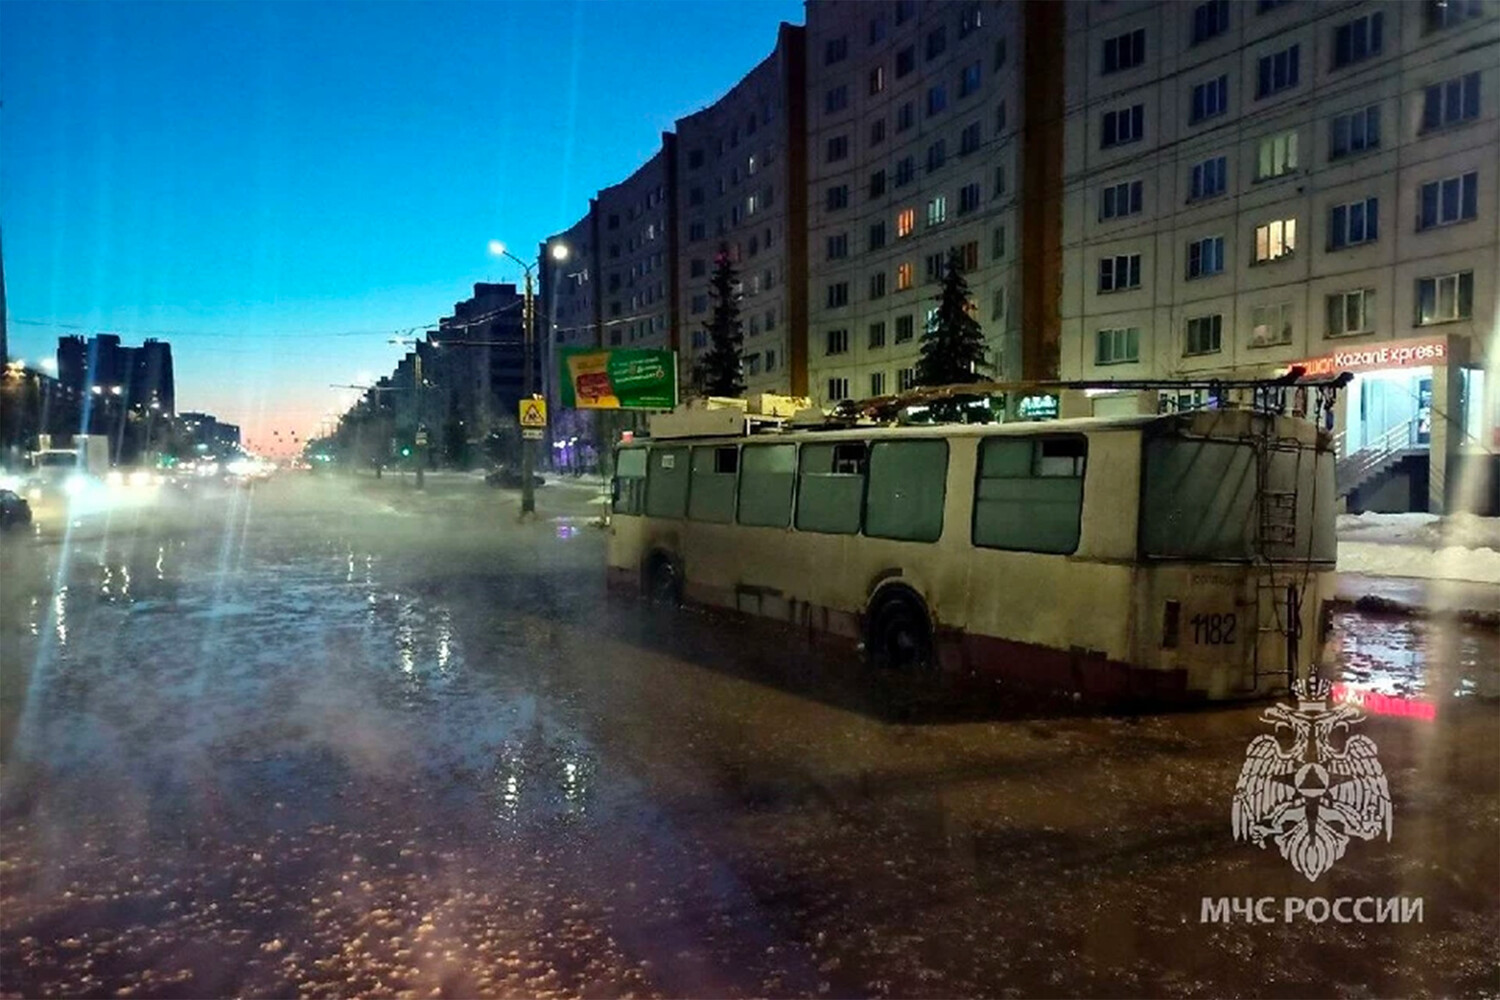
column 1362, row 468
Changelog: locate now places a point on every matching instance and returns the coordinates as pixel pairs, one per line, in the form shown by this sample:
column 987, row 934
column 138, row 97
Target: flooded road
column 327, row 739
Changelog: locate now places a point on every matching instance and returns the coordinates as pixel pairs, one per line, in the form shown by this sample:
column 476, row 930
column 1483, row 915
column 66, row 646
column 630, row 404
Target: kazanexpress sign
column 1396, row 354
column 626, row 378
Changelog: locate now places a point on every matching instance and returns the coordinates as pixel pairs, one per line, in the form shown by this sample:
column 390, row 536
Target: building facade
column 637, row 253
column 743, row 193
column 139, row 378
column 568, row 307
column 475, row 376
column 1252, row 185
column 915, row 113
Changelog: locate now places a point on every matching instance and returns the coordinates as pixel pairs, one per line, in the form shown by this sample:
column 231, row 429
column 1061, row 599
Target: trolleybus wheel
column 899, row 634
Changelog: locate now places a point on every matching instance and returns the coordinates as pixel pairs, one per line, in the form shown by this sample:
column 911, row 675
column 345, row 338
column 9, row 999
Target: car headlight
column 74, row 485
column 140, row 478
column 115, row 478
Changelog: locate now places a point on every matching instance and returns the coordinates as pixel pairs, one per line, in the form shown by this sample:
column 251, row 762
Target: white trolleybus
column 1185, row 556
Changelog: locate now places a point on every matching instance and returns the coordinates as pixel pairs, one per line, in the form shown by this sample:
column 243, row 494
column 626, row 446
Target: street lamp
column 558, row 252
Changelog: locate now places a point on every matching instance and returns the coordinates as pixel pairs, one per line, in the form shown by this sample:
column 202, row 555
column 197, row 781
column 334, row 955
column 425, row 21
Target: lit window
column 1275, row 240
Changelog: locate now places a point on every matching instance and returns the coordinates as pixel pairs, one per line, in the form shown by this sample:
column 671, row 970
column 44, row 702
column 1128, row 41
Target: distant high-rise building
column 477, row 371
column 141, row 377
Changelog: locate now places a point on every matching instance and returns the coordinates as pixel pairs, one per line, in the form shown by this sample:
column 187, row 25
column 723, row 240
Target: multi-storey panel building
column 914, row 115
column 742, row 192
column 1251, row 185
column 568, row 309
column 637, row 253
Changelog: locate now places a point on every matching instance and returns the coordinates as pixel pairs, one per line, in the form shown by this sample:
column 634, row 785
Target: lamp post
column 559, row 252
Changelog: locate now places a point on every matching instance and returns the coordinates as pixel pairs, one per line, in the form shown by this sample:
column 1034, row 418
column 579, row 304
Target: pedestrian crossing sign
column 534, row 412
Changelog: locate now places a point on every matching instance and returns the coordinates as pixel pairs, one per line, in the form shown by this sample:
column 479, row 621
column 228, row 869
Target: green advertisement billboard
column 619, row 378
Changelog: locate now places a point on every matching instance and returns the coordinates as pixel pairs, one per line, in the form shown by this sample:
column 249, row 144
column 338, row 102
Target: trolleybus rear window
column 667, row 482
column 630, row 481
column 1199, row 501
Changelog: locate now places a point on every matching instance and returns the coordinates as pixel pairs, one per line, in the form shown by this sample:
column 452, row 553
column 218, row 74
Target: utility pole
column 421, row 436
column 528, row 455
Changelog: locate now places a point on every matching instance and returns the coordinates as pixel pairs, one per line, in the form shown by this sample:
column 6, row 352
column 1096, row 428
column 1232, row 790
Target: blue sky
column 258, row 181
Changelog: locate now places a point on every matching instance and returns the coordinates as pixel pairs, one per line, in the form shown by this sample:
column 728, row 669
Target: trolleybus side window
column 667, row 482
column 1028, row 496
column 767, row 475
column 908, row 480
column 831, row 487
column 630, row 481
column 715, row 468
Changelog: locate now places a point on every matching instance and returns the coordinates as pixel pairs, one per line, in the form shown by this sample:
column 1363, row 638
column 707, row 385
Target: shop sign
column 1372, row 357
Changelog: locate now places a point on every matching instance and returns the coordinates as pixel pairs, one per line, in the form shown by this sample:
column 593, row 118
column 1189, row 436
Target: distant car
column 15, row 512
column 508, row 478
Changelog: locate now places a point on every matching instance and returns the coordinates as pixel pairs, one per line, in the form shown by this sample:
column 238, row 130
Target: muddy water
column 333, row 740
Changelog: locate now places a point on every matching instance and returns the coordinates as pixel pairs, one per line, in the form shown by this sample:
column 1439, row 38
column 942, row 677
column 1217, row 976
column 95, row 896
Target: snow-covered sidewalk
column 1421, row 564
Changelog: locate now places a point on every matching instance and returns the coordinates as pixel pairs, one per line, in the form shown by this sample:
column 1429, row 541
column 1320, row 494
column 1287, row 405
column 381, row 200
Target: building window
column 1351, row 313
column 837, row 342
column 999, row 118
column 999, row 180
column 937, row 211
column 906, row 116
column 1210, row 99
column 1445, row 298
column 838, row 148
column 937, row 42
column 877, row 383
column 1205, row 257
column 905, row 9
column 903, row 282
column 906, row 378
column 838, row 389
column 1277, row 72
column 877, row 335
column 1123, row 126
column 1119, row 200
column 838, row 294
column 1444, row 202
column 1271, row 325
column 1354, row 132
column 877, row 184
column 906, row 61
column 1355, row 223
column 877, row 131
column 1275, row 240
column 837, row 99
column 968, row 254
column 1450, row 102
column 1117, row 346
column 968, row 81
column 770, row 325
column 1357, row 40
column 838, row 246
column 937, row 155
column 935, row 267
column 906, row 221
column 770, row 359
column 877, row 235
column 877, row 29
column 877, row 285
column 835, row 50
column 752, row 364
column 696, row 231
column 695, row 159
column 1119, row 272
column 1440, row 14
column 838, row 197
column 997, row 305
column 968, row 198
column 877, row 80
column 700, row 303
column 1210, row 20
column 1204, row 334
column 970, row 20
column 1276, row 156
column 905, row 328
column 1000, row 52
column 968, row 139
column 997, row 243
column 1125, row 51
column 937, row 99
column 698, row 268
column 1210, row 178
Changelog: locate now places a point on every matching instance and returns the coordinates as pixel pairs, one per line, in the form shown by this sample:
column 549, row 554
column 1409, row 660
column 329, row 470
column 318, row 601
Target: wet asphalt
column 326, row 738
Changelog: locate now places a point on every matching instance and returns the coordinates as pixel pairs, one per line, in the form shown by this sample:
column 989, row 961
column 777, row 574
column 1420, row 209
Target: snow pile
column 1458, row 547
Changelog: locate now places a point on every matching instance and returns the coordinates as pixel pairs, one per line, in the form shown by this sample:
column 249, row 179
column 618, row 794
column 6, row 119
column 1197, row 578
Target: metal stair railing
column 1352, row 470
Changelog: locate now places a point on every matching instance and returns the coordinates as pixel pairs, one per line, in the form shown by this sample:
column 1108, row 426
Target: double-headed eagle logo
column 1312, row 797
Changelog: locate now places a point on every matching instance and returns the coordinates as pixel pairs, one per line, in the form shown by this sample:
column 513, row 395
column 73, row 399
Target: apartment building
column 637, row 254
column 914, row 122
column 1252, row 185
column 743, row 192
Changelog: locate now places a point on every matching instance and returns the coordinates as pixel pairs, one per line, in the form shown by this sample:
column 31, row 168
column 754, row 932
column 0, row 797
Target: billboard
column 620, row 378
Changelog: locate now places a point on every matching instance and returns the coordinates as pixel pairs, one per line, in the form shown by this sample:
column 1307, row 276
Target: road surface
column 330, row 737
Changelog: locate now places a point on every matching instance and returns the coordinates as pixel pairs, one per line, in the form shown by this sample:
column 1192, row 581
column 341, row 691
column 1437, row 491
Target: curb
column 1371, row 604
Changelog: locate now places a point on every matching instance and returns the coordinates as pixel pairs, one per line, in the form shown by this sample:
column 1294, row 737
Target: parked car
column 15, row 512
column 509, row 478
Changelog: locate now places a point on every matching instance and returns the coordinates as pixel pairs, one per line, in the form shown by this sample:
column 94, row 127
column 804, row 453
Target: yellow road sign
column 534, row 412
